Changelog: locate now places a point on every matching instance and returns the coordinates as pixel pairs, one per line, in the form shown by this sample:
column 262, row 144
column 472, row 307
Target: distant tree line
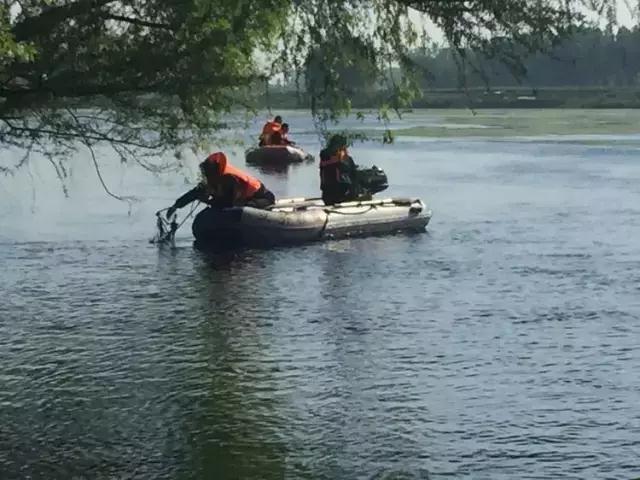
column 598, row 66
column 590, row 57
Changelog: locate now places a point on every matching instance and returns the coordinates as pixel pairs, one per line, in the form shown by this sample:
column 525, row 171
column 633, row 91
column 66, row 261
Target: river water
column 499, row 344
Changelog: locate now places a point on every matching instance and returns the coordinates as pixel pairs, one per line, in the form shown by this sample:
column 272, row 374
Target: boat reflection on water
column 274, row 170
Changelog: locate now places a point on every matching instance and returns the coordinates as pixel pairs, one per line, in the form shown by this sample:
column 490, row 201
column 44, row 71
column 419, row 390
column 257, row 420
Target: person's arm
column 348, row 166
column 351, row 165
column 193, row 194
column 351, row 169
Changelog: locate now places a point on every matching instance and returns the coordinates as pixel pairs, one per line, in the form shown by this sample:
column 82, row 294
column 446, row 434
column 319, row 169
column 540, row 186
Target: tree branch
column 76, row 135
column 95, row 164
column 137, row 21
column 41, row 24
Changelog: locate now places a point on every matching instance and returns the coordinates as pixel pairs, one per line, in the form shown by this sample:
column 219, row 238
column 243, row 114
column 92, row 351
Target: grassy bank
column 520, row 122
column 594, row 97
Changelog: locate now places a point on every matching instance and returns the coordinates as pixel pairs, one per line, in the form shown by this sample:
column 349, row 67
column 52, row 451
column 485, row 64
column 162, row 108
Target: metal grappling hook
column 166, row 230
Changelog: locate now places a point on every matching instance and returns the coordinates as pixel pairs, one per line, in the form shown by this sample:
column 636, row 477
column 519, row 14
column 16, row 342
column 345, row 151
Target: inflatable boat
column 302, row 220
column 276, row 155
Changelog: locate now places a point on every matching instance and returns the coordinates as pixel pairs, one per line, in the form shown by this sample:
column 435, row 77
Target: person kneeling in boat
column 338, row 179
column 284, row 135
column 271, row 127
column 225, row 186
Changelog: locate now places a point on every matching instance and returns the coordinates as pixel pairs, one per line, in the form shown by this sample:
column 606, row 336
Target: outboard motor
column 372, row 180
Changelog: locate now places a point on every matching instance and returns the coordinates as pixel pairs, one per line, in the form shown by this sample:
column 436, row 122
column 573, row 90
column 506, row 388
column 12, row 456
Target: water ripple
column 500, row 345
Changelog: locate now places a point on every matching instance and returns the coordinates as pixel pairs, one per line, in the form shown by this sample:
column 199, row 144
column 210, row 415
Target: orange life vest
column 337, row 157
column 269, row 128
column 333, row 161
column 248, row 185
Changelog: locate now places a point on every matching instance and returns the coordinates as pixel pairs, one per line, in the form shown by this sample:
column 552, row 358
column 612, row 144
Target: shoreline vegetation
column 590, row 68
column 496, row 123
column 483, row 98
column 582, row 125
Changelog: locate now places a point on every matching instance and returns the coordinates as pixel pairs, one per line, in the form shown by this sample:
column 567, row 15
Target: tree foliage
column 145, row 76
column 142, row 76
column 386, row 39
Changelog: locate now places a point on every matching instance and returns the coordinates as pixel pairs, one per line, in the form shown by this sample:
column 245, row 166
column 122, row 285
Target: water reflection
column 276, row 170
column 280, row 170
column 232, row 427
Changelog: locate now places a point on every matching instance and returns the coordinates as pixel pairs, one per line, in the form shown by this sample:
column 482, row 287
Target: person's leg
column 332, row 195
column 262, row 198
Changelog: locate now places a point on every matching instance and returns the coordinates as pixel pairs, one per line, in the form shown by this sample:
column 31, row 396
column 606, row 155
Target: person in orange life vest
column 225, row 186
column 275, row 138
column 284, row 133
column 338, row 180
column 269, row 129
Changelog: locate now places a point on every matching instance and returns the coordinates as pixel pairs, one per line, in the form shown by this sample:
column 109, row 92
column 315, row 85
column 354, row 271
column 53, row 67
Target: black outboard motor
column 372, row 180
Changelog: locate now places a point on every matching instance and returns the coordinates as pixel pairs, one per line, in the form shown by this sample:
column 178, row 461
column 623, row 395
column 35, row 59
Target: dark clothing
column 284, row 139
column 225, row 195
column 338, row 180
column 262, row 198
column 275, row 139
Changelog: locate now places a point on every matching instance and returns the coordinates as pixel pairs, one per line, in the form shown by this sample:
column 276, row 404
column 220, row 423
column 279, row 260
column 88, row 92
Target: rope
column 324, row 227
column 371, row 207
column 193, row 209
column 167, row 234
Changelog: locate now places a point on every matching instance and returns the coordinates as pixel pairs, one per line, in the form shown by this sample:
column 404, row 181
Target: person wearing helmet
column 224, row 186
column 338, row 179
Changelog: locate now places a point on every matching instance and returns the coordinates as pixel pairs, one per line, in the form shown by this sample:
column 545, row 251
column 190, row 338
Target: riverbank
column 583, row 125
column 443, row 123
column 479, row 98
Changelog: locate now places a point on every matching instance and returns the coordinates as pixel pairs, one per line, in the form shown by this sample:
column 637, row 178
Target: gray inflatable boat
column 276, row 155
column 301, row 220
